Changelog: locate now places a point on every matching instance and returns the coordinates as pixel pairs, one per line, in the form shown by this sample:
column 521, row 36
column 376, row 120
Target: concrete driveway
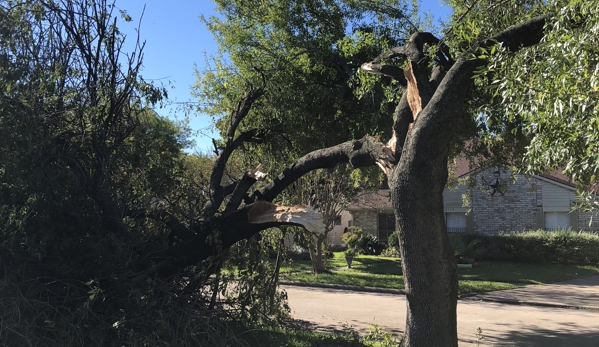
column 546, row 323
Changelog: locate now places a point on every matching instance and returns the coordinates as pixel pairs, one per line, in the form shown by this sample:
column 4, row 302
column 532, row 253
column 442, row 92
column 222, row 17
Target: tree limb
column 525, row 34
column 359, row 153
column 242, row 109
column 242, row 187
column 385, row 70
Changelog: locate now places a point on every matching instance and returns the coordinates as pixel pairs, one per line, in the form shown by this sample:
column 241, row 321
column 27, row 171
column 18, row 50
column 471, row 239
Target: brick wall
column 584, row 218
column 367, row 220
column 516, row 210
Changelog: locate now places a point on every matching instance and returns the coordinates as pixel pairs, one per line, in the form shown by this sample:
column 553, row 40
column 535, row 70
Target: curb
column 529, row 303
column 466, row 296
column 344, row 287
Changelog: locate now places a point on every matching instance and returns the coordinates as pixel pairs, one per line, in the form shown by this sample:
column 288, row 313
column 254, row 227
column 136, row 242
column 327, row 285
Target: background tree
column 329, row 192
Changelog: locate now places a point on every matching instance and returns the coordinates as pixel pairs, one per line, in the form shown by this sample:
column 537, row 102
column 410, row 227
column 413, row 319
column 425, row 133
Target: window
column 386, row 226
column 557, row 220
column 337, row 220
column 455, row 222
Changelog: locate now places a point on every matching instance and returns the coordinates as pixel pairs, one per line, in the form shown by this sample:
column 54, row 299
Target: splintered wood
column 265, row 212
column 414, row 99
column 384, row 162
column 257, row 174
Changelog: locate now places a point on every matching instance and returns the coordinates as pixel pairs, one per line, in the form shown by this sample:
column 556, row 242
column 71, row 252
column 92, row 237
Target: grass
column 296, row 338
column 385, row 272
column 302, row 337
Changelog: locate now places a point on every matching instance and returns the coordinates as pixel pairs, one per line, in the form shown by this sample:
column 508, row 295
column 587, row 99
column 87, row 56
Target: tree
column 77, row 139
column 327, row 192
column 553, row 89
column 431, row 117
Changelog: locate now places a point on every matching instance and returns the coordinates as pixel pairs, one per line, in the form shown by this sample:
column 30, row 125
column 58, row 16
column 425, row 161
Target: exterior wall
column 367, row 220
column 522, row 206
column 515, row 210
column 453, row 200
column 334, row 237
column 586, row 218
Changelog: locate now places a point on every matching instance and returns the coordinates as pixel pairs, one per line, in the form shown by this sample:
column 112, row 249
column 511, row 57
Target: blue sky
column 176, row 39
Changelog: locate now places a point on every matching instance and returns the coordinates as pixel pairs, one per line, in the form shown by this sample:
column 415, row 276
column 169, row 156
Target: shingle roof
column 379, row 201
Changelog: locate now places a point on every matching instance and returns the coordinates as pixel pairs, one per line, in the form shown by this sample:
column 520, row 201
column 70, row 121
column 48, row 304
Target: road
column 501, row 324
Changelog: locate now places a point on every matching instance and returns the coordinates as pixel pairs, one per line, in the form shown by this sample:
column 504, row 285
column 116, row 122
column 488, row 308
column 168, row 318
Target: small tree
column 327, row 191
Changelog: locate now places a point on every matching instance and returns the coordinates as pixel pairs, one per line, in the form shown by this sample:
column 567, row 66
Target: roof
column 462, row 168
column 379, row 201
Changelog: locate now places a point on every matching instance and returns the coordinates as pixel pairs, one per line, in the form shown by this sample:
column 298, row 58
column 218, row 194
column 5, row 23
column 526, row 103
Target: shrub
column 393, row 240
column 352, row 236
column 540, row 246
column 364, row 243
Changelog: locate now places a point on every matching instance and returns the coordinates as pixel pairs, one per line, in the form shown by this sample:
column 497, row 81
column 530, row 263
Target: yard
column 383, row 272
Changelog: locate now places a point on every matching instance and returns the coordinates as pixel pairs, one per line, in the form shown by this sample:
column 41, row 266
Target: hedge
column 541, row 246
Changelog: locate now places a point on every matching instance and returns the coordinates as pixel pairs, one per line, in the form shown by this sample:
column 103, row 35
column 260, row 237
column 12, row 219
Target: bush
column 564, row 246
column 364, row 243
column 393, row 240
column 352, row 236
column 541, row 246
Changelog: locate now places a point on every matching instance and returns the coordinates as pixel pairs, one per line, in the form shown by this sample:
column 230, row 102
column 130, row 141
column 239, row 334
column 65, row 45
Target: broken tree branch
column 358, row 153
column 242, row 187
column 385, row 70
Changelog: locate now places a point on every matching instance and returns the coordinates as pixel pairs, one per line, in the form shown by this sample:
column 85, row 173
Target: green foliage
column 543, row 98
column 351, row 237
column 307, row 53
column 297, row 337
column 251, row 286
column 393, row 240
column 361, row 242
column 350, row 252
column 85, row 162
column 563, row 246
column 469, row 248
column 382, row 338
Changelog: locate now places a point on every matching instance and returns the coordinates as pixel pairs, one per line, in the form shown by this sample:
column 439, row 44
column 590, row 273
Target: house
column 494, row 201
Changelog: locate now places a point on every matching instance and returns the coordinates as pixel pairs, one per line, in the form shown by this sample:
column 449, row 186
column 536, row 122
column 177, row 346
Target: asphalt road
column 502, row 324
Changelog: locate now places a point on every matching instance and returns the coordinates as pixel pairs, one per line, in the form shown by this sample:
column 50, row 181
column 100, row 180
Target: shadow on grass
column 299, row 333
column 507, row 272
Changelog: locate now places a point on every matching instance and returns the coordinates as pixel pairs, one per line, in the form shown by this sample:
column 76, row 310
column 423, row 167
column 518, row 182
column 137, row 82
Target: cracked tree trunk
column 436, row 102
column 417, row 184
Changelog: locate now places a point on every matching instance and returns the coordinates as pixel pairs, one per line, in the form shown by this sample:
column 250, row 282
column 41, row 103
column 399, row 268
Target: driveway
column 502, row 324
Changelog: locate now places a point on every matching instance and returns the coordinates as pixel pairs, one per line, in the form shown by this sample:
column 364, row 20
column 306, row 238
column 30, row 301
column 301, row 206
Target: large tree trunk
column 435, row 103
column 415, row 159
column 428, row 264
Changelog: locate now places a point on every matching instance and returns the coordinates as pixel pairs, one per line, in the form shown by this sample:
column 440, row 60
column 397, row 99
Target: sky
column 176, row 40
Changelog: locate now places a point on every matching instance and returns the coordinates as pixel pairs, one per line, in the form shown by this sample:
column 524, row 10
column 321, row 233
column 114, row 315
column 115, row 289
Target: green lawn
column 385, row 272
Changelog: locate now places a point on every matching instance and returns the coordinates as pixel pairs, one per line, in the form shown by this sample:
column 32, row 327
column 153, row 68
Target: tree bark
column 316, row 255
column 437, row 104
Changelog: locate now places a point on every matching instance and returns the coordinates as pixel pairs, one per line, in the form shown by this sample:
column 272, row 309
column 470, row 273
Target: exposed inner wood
column 414, row 99
column 257, row 174
column 264, row 212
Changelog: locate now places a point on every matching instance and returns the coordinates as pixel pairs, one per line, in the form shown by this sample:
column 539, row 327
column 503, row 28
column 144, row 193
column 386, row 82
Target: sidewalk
column 581, row 293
